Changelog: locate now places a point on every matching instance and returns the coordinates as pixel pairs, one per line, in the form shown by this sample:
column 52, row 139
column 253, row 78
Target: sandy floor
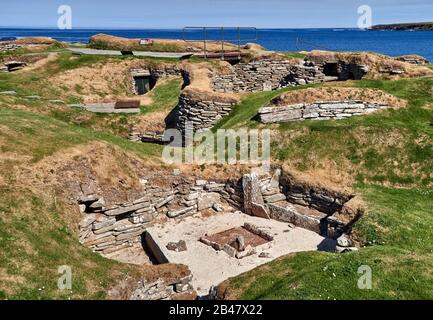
column 211, row 267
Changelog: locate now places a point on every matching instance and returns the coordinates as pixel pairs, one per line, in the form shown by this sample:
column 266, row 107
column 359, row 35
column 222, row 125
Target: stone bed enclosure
column 109, row 229
column 205, row 107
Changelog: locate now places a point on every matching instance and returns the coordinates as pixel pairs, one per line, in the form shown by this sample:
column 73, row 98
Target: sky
column 138, row 14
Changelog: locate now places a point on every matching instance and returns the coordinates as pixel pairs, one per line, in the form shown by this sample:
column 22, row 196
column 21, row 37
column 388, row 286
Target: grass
column 35, row 242
column 31, row 83
column 34, row 83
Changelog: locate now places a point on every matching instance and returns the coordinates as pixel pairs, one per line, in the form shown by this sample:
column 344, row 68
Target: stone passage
column 144, row 79
column 113, row 107
column 266, row 75
column 9, row 46
column 318, row 111
column 11, row 66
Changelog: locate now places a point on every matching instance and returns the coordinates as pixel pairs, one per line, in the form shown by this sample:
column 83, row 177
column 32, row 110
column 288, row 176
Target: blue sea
column 391, row 43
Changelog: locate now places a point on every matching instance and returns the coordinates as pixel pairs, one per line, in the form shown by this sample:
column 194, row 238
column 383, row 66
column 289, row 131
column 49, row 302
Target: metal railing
column 222, row 31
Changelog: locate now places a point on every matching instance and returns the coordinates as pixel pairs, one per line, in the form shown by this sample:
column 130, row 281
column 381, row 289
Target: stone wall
column 203, row 112
column 413, row 59
column 110, row 229
column 8, row 46
column 162, row 289
column 157, row 73
column 265, row 75
column 341, row 69
column 107, row 229
column 318, row 111
column 279, row 197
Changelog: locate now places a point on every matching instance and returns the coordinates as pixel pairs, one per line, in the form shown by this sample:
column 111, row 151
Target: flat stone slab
column 210, row 267
column 108, row 108
column 175, row 55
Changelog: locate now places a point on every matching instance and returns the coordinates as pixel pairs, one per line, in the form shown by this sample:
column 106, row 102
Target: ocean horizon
column 393, row 43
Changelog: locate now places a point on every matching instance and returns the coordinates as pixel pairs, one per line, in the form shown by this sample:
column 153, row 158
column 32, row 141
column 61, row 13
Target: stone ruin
column 266, row 75
column 320, row 110
column 337, row 69
column 274, row 201
column 12, row 66
column 238, row 242
column 205, row 109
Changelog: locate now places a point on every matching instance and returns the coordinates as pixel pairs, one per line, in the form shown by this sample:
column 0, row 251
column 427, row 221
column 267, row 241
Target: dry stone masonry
column 156, row 73
column 340, row 69
column 203, row 113
column 108, row 229
column 11, row 66
column 325, row 110
column 304, row 206
column 413, row 59
column 266, row 75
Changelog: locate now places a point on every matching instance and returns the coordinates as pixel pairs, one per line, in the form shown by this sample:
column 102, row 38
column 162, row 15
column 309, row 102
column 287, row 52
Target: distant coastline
column 417, row 26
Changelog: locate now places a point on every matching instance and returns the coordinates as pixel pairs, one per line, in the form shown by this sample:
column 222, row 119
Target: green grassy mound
column 389, row 154
column 35, row 239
